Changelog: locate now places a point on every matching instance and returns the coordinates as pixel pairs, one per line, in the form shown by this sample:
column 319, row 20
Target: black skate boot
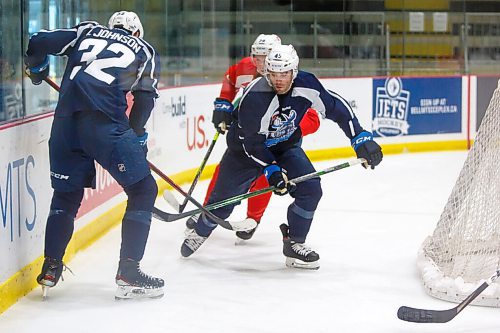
column 191, row 223
column 133, row 283
column 247, row 234
column 51, row 273
column 191, row 243
column 298, row 255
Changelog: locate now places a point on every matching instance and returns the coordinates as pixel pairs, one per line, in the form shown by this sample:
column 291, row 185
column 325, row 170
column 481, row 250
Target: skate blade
column 131, row 292
column 46, row 285
column 297, row 263
column 45, row 295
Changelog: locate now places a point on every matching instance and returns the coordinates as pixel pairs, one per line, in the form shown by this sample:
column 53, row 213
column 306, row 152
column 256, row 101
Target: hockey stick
column 442, row 316
column 52, row 84
column 169, row 197
column 237, row 226
column 168, row 217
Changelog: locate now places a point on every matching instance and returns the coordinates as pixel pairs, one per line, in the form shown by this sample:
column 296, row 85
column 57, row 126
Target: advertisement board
column 24, row 192
column 414, row 106
column 180, row 128
column 358, row 93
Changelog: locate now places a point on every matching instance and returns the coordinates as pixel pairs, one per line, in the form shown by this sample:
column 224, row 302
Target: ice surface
column 367, row 230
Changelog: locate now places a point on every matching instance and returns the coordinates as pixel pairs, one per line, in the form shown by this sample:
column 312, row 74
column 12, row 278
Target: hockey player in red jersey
column 248, row 68
column 236, row 77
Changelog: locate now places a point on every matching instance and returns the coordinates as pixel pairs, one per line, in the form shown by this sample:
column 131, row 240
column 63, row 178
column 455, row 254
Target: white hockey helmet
column 128, row 21
column 264, row 44
column 282, row 58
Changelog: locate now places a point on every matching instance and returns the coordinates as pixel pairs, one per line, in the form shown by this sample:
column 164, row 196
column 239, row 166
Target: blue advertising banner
column 410, row 106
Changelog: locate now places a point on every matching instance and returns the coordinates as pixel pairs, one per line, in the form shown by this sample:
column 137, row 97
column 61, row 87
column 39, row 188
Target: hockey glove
column 277, row 177
column 143, row 142
column 38, row 73
column 368, row 149
column 222, row 115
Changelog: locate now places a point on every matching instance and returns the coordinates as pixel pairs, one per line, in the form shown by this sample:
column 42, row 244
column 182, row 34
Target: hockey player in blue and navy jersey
column 90, row 124
column 267, row 140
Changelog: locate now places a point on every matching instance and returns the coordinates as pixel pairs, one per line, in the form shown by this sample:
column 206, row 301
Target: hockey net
column 464, row 249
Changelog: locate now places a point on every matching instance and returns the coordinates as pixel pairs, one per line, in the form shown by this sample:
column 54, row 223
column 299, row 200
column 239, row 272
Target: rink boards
column 406, row 115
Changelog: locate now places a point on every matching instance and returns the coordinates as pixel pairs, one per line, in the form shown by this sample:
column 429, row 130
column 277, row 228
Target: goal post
column 464, row 249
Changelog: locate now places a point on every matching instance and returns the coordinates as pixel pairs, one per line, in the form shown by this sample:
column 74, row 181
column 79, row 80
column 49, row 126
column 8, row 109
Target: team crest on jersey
column 121, row 167
column 391, row 110
column 282, row 126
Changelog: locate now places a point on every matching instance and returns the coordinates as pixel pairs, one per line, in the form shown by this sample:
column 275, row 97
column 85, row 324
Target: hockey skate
column 51, row 273
column 134, row 284
column 191, row 224
column 192, row 242
column 298, row 255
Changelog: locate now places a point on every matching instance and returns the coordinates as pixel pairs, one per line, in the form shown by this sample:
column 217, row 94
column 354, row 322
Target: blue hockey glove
column 222, row 115
column 143, row 141
column 38, row 73
column 276, row 176
column 366, row 148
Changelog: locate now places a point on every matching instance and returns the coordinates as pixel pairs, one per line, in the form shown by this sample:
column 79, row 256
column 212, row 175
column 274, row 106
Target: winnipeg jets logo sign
column 392, row 104
column 282, row 126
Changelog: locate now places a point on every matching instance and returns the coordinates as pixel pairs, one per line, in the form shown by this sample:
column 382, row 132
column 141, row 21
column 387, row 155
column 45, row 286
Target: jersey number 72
column 94, row 66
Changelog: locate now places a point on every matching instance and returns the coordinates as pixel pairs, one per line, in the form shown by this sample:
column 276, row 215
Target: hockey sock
column 60, row 223
column 137, row 219
column 257, row 205
column 204, row 227
column 135, row 232
column 211, row 185
column 58, row 233
column 299, row 222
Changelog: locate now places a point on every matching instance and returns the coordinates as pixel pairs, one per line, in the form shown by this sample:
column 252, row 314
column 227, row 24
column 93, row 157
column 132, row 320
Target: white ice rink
column 367, row 230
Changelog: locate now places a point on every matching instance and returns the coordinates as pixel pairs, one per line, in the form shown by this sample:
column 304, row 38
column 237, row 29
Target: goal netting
column 464, row 249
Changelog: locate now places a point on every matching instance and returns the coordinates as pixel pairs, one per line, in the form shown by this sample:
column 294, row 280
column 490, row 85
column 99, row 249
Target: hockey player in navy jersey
column 266, row 141
column 235, row 79
column 90, row 124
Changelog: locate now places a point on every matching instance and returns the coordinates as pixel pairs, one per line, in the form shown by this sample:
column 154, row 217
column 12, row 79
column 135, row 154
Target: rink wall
column 406, row 115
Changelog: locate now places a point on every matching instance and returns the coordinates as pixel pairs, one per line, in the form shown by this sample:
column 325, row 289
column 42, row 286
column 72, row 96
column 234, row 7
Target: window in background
column 11, row 106
column 41, row 98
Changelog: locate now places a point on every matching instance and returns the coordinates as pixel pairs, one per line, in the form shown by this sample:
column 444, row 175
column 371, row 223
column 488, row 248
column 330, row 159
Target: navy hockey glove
column 143, row 141
column 38, row 73
column 277, row 177
column 222, row 115
column 368, row 149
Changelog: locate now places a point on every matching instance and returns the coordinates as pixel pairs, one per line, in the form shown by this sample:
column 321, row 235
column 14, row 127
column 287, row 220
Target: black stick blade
column 163, row 216
column 425, row 316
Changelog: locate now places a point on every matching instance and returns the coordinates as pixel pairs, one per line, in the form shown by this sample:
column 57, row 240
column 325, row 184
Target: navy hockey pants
column 76, row 141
